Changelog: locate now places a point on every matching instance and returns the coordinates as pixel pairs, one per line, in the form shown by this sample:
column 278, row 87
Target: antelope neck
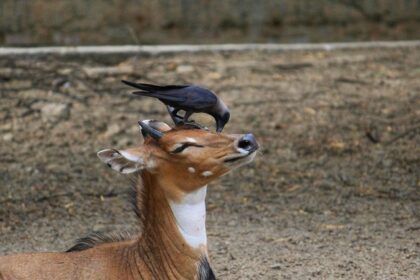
column 190, row 216
column 165, row 248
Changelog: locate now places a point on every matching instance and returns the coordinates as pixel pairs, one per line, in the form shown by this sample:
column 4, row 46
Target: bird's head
column 222, row 120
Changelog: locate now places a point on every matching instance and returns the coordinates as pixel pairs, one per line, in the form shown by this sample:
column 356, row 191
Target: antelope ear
column 124, row 161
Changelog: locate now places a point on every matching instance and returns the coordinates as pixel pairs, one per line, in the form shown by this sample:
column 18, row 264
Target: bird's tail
column 152, row 88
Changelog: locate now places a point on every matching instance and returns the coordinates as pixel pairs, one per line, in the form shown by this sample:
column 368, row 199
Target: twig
column 405, row 133
column 291, row 67
column 372, row 137
column 350, row 81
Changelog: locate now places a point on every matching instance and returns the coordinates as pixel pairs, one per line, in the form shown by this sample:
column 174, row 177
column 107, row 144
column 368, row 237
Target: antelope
column 173, row 167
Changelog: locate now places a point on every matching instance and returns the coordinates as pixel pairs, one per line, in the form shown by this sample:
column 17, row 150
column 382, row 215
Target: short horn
column 154, row 133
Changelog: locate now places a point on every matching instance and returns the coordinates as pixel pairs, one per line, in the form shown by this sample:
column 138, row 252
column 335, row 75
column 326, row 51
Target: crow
column 190, row 98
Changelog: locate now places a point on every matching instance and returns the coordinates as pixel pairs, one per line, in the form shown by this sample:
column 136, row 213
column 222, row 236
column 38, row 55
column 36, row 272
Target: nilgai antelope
column 173, row 166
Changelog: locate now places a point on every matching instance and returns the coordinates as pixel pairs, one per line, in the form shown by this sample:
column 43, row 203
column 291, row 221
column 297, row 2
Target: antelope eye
column 183, row 146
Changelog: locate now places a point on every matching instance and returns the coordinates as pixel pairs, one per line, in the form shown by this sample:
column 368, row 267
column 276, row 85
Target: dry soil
column 333, row 194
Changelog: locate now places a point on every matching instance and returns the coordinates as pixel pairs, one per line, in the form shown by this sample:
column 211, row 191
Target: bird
column 189, row 98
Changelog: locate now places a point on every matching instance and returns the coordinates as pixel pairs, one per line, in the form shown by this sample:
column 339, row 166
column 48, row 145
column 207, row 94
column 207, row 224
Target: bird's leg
column 174, row 116
column 191, row 123
column 187, row 115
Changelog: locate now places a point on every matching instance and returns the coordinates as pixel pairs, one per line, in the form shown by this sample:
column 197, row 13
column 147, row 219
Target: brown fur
column 160, row 252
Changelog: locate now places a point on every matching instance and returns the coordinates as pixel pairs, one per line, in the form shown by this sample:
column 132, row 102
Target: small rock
column 55, row 112
column 65, row 71
column 6, row 127
column 332, row 226
column 275, row 266
column 98, row 227
column 309, row 111
column 8, row 137
column 180, row 69
column 232, row 223
column 337, row 145
column 214, row 75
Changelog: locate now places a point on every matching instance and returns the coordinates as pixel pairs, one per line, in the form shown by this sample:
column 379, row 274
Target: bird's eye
column 183, row 146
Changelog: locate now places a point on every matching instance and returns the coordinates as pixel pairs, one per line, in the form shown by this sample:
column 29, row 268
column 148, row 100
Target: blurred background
column 79, row 22
column 335, row 190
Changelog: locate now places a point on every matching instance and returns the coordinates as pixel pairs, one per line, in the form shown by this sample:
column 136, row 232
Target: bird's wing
column 153, row 88
column 186, row 96
column 165, row 97
column 199, row 98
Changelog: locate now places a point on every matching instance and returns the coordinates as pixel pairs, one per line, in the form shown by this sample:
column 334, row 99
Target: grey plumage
column 190, row 98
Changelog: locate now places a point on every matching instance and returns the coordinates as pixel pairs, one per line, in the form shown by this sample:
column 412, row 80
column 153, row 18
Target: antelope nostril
column 248, row 143
column 244, row 144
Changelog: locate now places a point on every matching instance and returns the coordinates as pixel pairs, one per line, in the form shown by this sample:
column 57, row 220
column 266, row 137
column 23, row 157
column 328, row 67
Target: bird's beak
column 219, row 126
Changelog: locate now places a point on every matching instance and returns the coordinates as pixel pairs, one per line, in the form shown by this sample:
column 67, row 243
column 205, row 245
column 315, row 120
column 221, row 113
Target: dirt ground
column 334, row 193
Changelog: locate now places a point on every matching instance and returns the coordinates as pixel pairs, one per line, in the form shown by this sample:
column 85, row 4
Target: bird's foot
column 193, row 124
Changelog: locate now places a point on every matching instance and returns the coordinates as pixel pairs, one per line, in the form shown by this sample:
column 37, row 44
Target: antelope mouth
column 242, row 158
column 234, row 159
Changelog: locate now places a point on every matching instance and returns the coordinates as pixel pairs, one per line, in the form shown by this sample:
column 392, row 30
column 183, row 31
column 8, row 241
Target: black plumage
column 190, row 98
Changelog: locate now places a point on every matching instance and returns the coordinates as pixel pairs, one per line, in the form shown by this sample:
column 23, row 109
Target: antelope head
column 182, row 159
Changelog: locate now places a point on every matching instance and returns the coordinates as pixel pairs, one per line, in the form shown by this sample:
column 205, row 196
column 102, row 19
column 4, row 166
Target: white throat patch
column 190, row 215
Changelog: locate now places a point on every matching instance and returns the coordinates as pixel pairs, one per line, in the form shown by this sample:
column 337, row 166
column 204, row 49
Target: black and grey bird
column 190, row 98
